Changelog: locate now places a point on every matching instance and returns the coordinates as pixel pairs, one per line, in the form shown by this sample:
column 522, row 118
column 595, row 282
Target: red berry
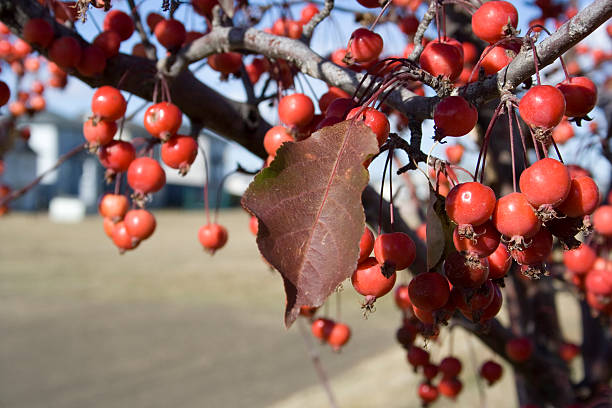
column 454, row 153
column 547, row 181
column 108, row 103
column 599, row 282
column 179, row 152
column 470, row 203
column 170, row 33
column 514, row 217
column 145, row 175
column 454, row 116
column 466, row 274
column 519, row 349
column 442, row 58
column 212, row 237
column 396, row 248
column 375, row 120
column 365, row 45
column 537, row 252
column 580, row 260
column 542, row 106
column 568, row 351
column 450, row 387
column 120, row 22
column 602, row 220
column 113, row 206
column 308, row 12
column 430, row 371
column 402, row 297
column 450, row 366
column 493, row 20
column 140, row 224
column 117, row 155
column 429, row 291
column 409, row 24
column 100, row 132
column 563, row 132
column 497, row 57
column 330, row 96
column 38, row 31
column 500, row 262
column 163, row 120
column 5, row 93
column 153, row 19
column 274, row 138
column 321, row 328
column 485, row 242
column 338, row 336
column 296, row 110
column 122, row 239
column 491, row 371
column 582, row 199
column 428, row 393
column 366, row 244
column 580, row 96
column 425, row 316
column 287, row 28
column 369, row 280
column 65, row 52
column 204, row 7
column 109, row 42
column 92, row 63
column 226, row 63
column 417, row 356
column 253, row 225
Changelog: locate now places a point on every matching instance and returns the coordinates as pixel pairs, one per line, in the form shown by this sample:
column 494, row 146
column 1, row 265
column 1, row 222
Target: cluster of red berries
column 334, row 333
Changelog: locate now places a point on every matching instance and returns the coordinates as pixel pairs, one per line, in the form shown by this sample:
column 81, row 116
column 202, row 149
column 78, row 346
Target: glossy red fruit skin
column 497, row 57
column 580, row 96
column 100, row 133
column 331, row 95
column 296, row 110
column 109, row 226
column 463, row 274
column 417, row 357
column 546, row 181
column 274, row 138
column 542, row 106
column 117, row 155
column 140, row 224
column 454, row 116
column 108, row 103
column 454, row 153
column 441, row 58
column 153, row 19
column 109, row 42
column 339, row 335
column 428, row 393
column 162, row 120
column 484, row 244
column 170, row 33
column 539, row 250
column 5, row 93
column 368, row 279
column 321, row 328
column 429, row 291
column 514, row 216
column 212, row 237
column 409, row 24
column 602, row 220
column 366, row 245
column 430, row 371
column 424, row 316
column 226, row 62
column 395, row 248
column 500, row 262
column 490, row 20
column 519, row 349
column 38, row 31
column 450, row 387
column 580, row 260
column 599, row 282
column 308, row 12
column 65, row 52
column 179, row 151
column 365, row 45
column 402, row 297
column 470, row 203
column 145, row 175
column 563, row 132
column 369, row 3
column 375, row 120
column 93, row 61
column 582, row 199
column 122, row 239
column 113, row 206
column 119, row 22
column 450, row 366
column 491, row 371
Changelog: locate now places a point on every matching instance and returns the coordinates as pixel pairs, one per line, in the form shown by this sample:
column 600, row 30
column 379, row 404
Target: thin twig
column 317, row 18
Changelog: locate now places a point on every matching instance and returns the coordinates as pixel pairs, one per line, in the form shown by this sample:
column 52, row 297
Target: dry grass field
column 169, row 326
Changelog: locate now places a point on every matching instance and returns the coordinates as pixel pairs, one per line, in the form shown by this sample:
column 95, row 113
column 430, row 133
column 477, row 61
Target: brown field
column 169, row 326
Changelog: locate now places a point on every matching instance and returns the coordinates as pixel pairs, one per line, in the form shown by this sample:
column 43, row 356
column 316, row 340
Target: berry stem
column 206, row 207
column 382, row 189
column 219, row 191
column 512, row 155
column 523, row 141
column 483, row 150
column 391, row 219
column 535, row 59
column 117, row 183
column 388, row 3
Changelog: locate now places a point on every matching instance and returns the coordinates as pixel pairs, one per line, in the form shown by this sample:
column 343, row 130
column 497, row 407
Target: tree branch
column 317, row 18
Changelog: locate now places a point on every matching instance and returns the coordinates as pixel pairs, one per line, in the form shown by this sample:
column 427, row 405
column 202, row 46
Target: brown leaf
column 308, row 203
column 439, row 231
